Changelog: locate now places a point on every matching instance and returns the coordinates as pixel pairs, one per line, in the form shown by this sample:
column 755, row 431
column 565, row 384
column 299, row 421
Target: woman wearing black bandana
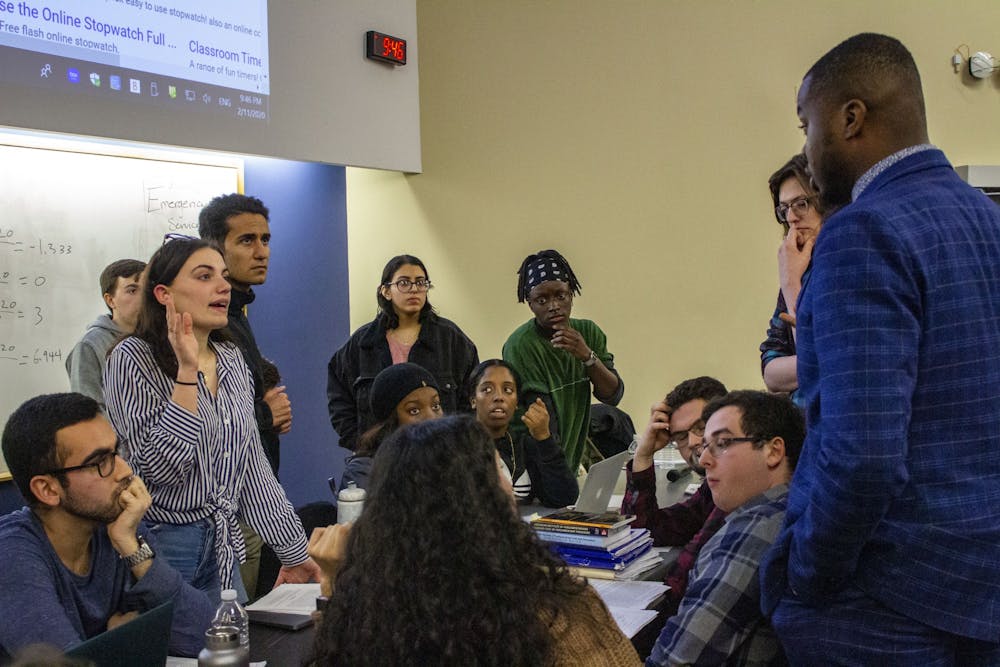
column 560, row 360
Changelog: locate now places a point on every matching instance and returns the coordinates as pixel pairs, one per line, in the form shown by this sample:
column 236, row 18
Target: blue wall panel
column 301, row 314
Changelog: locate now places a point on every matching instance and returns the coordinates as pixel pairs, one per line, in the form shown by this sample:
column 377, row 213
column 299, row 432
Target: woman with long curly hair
column 452, row 576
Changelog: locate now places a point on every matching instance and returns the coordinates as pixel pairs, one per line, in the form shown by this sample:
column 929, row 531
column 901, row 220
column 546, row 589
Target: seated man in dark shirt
column 675, row 421
column 76, row 561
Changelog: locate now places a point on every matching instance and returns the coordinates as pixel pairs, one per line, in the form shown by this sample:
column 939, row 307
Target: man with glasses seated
column 75, row 560
column 675, row 422
column 557, row 358
column 750, row 446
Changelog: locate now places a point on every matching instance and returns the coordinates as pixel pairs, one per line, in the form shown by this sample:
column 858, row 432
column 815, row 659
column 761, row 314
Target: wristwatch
column 144, row 553
column 592, row 360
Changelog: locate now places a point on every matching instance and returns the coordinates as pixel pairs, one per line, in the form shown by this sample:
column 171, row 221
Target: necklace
column 513, row 456
column 409, row 340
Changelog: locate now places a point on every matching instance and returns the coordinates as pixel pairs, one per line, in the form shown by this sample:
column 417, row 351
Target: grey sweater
column 85, row 364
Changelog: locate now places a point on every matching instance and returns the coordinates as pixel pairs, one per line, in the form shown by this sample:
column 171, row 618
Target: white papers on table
column 627, row 602
column 634, row 594
column 631, row 621
column 289, row 599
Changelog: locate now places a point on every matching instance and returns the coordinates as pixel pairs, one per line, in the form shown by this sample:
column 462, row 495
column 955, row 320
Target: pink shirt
column 400, row 351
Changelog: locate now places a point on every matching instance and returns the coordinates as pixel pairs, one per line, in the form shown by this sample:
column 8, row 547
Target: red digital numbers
column 394, row 48
column 386, row 48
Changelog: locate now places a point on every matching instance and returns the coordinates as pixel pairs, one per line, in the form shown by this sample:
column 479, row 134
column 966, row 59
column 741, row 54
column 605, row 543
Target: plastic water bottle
column 222, row 648
column 350, row 502
column 231, row 614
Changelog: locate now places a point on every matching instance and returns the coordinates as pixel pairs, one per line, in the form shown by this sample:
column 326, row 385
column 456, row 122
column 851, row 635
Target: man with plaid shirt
column 674, row 422
column 749, row 449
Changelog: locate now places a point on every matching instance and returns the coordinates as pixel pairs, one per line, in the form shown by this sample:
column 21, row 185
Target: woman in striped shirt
column 181, row 400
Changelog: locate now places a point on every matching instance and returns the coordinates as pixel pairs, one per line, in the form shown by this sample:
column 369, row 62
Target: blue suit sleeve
column 861, row 319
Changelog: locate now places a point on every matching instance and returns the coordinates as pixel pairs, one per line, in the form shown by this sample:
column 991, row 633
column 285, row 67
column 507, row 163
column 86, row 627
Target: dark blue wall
column 301, row 314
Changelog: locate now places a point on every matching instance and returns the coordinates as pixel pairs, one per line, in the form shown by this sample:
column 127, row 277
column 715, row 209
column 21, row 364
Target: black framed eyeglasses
column 799, row 206
column 721, row 446
column 680, row 438
column 105, row 464
column 407, row 285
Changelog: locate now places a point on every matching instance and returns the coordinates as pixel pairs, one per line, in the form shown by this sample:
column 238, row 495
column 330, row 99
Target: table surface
column 280, row 647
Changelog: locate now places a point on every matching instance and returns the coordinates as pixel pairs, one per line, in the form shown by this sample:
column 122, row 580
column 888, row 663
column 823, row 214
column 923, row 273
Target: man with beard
column 675, row 422
column 891, row 544
column 75, row 561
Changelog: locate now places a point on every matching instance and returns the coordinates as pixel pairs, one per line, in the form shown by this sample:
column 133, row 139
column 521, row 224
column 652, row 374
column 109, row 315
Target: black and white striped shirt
column 205, row 465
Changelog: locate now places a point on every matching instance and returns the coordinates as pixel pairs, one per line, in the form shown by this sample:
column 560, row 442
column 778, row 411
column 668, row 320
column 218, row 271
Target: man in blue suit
column 890, row 552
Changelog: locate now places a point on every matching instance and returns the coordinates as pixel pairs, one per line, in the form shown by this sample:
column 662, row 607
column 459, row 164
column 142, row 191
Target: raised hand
column 654, row 438
column 536, row 418
column 569, row 339
column 180, row 335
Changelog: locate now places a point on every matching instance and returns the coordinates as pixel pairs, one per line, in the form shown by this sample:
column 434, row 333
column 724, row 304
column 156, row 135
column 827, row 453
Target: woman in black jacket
column 533, row 461
column 406, row 328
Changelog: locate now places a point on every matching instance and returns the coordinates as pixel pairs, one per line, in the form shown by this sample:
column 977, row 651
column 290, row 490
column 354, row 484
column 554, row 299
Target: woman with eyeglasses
column 406, row 328
column 533, row 462
column 180, row 397
column 796, row 206
column 560, row 359
column 439, row 569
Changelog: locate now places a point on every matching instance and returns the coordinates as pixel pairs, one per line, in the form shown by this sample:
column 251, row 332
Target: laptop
column 600, row 483
column 141, row 641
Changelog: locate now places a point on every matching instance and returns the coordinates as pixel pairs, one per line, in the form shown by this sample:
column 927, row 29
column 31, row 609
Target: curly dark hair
column 704, row 387
column 213, row 220
column 151, row 326
column 439, row 568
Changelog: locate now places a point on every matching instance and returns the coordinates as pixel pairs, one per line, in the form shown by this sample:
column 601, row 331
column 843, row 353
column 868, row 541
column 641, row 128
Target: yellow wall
column 636, row 137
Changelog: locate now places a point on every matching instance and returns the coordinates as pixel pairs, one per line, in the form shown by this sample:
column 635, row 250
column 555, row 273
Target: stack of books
column 600, row 546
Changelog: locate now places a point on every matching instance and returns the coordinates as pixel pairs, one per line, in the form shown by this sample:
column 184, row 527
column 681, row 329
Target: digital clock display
column 389, row 49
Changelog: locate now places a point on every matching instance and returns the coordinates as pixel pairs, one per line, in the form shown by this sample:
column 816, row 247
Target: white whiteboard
column 65, row 214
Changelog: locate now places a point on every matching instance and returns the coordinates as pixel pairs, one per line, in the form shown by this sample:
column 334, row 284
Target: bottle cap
column 228, row 595
column 351, row 492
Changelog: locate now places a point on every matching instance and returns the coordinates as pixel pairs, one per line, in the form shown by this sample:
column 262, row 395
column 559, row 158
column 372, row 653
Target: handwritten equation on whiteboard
column 23, row 298
column 67, row 215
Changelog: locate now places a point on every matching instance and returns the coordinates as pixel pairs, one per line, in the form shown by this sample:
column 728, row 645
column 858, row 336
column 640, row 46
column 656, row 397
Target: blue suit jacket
column 898, row 487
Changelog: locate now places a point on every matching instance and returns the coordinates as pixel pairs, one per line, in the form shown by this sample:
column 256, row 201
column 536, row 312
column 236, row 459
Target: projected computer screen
column 181, row 56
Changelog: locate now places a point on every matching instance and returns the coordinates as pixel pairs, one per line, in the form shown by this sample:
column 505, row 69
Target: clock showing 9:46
column 388, row 49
